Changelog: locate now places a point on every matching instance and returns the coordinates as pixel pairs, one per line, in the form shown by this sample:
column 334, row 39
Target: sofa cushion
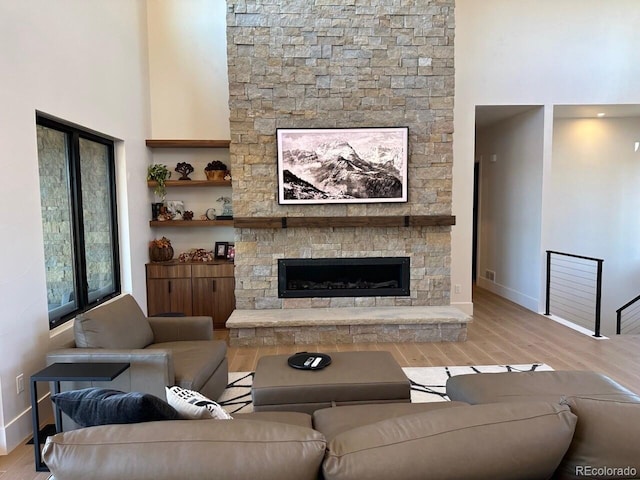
column 520, row 440
column 187, row 449
column 606, row 440
column 101, row 406
column 194, row 361
column 118, row 324
column 333, row 421
column 542, row 386
column 193, row 405
column 300, row 419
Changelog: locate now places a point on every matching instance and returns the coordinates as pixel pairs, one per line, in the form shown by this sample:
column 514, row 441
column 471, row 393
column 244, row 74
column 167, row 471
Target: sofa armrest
column 150, row 370
column 175, row 329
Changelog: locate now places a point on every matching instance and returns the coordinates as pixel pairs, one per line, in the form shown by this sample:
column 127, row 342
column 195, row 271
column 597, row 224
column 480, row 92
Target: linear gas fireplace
column 343, row 277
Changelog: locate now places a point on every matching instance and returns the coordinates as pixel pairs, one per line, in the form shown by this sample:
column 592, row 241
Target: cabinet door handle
column 169, row 286
column 213, row 285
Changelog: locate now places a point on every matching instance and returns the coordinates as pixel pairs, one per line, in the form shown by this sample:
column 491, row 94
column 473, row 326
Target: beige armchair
column 162, row 351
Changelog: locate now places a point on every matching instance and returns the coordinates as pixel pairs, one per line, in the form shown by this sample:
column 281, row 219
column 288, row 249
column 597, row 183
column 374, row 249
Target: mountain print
column 330, row 167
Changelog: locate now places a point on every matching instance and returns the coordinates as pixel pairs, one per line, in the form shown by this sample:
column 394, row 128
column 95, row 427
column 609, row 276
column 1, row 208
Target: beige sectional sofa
column 544, row 434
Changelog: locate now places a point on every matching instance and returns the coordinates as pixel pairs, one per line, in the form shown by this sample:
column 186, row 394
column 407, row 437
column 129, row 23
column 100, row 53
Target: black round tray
column 298, row 360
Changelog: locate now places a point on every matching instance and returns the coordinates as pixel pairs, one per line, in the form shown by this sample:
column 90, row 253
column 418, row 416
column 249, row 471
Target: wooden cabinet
column 213, row 292
column 191, row 289
column 169, row 289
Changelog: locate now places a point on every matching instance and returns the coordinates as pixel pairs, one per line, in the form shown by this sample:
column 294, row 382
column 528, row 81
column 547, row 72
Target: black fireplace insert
column 343, row 277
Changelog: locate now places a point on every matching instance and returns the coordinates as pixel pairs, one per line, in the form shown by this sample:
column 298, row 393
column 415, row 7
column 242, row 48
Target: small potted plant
column 158, row 173
column 215, row 170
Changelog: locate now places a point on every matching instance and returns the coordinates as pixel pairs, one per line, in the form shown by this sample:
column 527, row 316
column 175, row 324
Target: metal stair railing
column 631, row 318
column 574, row 289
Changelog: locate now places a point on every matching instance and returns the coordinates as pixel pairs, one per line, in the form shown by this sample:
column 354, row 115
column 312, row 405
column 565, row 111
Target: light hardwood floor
column 501, row 332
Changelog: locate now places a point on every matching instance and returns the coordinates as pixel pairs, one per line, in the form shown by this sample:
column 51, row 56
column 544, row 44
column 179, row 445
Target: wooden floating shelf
column 188, row 143
column 192, row 183
column 191, row 223
column 318, row 222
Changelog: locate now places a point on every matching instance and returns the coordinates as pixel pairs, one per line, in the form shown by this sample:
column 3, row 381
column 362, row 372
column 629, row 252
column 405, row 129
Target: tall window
column 77, row 192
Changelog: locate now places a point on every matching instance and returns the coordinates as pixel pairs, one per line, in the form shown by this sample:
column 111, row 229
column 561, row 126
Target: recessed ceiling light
column 601, row 114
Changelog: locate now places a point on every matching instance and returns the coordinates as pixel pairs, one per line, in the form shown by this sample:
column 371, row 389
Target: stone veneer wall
column 341, row 63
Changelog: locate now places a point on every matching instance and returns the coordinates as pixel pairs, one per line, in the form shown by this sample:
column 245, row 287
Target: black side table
column 61, row 372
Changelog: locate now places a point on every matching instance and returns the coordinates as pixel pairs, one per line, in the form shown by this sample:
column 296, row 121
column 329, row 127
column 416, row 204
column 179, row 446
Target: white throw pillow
column 193, row 405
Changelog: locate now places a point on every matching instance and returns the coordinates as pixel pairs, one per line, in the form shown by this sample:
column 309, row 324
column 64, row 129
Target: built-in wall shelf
column 191, row 183
column 191, row 223
column 188, row 143
column 356, row 221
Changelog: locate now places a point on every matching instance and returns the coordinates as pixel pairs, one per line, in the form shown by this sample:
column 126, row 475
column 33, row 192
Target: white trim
column 521, row 299
column 18, row 430
column 573, row 326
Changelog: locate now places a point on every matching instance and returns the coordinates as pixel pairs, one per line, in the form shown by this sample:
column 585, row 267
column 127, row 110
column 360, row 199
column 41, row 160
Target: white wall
column 510, row 212
column 189, row 91
column 189, row 86
column 84, row 62
column 597, row 157
column 533, row 52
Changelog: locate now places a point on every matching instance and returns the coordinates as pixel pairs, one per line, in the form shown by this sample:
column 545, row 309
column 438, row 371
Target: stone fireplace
column 339, row 64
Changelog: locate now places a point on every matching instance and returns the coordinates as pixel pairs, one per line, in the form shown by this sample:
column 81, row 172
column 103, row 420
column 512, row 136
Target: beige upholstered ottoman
column 352, row 378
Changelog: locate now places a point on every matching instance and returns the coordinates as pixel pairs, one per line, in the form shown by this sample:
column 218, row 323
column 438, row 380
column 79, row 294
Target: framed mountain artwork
column 342, row 165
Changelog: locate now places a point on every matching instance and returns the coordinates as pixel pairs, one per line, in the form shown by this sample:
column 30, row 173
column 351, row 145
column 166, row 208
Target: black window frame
column 73, row 134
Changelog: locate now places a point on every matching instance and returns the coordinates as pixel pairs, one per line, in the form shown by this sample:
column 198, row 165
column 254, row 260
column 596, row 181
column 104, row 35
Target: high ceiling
column 487, row 115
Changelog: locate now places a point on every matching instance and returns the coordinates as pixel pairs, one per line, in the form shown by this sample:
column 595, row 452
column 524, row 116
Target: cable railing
column 574, row 289
column 628, row 317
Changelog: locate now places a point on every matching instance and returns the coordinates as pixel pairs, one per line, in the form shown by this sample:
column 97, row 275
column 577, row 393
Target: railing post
column 548, row 299
column 598, row 298
column 618, row 321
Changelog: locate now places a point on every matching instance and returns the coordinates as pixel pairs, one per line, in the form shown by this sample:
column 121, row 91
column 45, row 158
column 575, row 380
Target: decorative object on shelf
column 221, row 249
column 159, row 173
column 156, row 210
column 227, row 211
column 187, row 215
column 231, row 252
column 210, row 214
column 215, row 170
column 175, row 209
column 227, row 176
column 196, row 255
column 160, row 250
column 184, row 169
column 342, row 165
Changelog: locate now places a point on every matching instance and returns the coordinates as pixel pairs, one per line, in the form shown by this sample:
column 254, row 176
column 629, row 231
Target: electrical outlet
column 490, row 275
column 20, row 384
column 457, row 288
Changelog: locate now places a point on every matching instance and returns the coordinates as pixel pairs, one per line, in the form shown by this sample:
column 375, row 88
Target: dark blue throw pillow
column 101, row 406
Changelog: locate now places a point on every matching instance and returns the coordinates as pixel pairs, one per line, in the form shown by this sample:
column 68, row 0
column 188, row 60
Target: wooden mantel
column 356, row 221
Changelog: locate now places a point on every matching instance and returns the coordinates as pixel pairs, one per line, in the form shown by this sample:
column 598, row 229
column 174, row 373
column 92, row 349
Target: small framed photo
column 221, row 249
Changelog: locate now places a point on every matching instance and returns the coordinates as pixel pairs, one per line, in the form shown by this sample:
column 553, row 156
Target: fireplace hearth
column 343, row 277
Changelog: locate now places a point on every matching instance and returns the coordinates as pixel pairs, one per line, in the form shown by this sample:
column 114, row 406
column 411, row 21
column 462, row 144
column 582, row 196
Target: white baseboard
column 465, row 307
column 520, row 298
column 20, row 429
column 576, row 327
